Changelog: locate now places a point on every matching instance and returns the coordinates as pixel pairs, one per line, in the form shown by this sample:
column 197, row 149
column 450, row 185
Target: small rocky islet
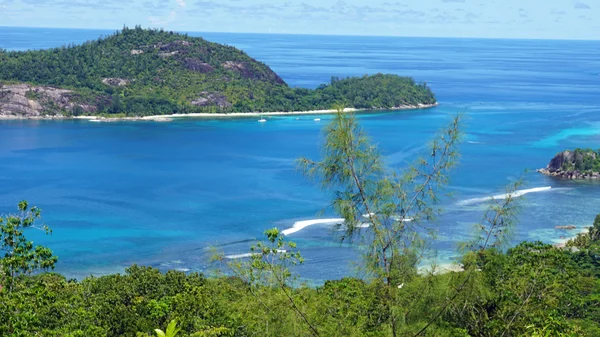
column 578, row 164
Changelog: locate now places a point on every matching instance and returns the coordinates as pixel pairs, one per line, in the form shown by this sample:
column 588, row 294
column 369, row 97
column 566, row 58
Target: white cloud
column 161, row 20
column 181, row 3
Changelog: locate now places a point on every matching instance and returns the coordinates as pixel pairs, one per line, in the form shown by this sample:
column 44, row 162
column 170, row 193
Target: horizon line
column 114, row 30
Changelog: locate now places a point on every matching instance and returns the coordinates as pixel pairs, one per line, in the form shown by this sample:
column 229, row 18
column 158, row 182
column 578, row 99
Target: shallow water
column 161, row 193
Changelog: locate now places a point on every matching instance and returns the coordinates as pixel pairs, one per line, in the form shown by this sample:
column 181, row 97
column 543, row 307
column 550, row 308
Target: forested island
column 140, row 72
column 576, row 164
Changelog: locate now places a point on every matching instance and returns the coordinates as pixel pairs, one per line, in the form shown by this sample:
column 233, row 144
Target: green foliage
column 533, row 282
column 165, row 73
column 554, row 327
column 584, row 160
column 589, row 240
column 268, row 269
column 532, row 289
column 172, row 330
column 398, row 208
column 20, row 255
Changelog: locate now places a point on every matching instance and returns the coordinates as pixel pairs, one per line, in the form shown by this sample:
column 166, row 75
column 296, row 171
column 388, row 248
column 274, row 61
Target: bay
column 160, row 194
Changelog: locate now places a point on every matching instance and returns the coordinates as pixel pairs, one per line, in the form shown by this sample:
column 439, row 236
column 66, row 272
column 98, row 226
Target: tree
column 268, row 269
column 20, row 255
column 397, row 208
column 534, row 285
column 588, row 240
column 78, row 110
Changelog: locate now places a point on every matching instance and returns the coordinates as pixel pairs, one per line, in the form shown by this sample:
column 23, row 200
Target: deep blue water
column 161, row 193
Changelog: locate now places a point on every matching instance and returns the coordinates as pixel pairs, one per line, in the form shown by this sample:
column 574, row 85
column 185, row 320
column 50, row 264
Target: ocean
column 162, row 194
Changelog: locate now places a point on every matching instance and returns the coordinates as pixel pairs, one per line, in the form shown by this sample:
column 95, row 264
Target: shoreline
column 168, row 118
column 562, row 243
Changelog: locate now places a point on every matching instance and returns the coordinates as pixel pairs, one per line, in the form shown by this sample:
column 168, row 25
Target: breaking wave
column 300, row 225
column 515, row 194
column 246, row 255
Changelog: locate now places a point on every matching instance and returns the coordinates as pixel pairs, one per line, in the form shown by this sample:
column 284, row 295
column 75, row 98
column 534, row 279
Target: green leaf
column 172, row 329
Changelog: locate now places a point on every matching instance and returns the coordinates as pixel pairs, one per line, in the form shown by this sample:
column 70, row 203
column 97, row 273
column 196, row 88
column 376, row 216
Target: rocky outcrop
column 211, row 99
column 239, row 67
column 173, row 46
column 557, row 162
column 198, row 66
column 246, row 71
column 570, row 165
column 168, row 54
column 566, row 227
column 116, row 82
column 24, row 100
column 28, row 101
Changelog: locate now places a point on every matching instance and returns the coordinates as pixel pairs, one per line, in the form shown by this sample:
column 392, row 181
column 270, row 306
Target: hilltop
column 139, row 72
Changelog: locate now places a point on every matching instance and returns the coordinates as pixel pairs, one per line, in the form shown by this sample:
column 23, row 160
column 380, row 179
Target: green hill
column 152, row 72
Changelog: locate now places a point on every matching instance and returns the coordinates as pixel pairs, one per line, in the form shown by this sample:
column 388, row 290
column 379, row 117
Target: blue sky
column 554, row 19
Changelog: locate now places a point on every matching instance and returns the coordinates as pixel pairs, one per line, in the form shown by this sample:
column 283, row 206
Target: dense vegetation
column 582, row 160
column 145, row 72
column 532, row 289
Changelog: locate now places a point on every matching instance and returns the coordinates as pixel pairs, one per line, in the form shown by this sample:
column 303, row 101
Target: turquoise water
column 161, row 193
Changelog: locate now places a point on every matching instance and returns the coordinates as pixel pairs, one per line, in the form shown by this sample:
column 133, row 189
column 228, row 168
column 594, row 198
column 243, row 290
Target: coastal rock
column 29, row 101
column 136, row 52
column 557, row 162
column 566, row 227
column 575, row 165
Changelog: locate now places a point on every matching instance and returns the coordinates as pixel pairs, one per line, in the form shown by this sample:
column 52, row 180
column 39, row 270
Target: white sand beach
column 166, row 118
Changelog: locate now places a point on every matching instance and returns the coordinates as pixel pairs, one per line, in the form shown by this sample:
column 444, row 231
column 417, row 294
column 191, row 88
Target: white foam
column 240, row 256
column 397, row 218
column 246, row 255
column 515, row 194
column 185, row 270
column 394, row 217
column 367, row 224
column 300, row 225
column 170, row 263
